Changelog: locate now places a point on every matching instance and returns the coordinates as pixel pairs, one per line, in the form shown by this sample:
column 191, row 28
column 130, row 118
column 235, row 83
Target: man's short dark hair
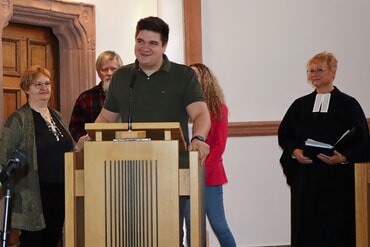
column 154, row 24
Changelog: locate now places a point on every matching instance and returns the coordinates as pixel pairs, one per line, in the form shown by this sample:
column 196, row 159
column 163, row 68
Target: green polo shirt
column 160, row 97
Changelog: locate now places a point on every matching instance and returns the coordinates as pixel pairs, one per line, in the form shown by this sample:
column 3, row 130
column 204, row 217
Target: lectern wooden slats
column 362, row 191
column 126, row 193
column 149, row 164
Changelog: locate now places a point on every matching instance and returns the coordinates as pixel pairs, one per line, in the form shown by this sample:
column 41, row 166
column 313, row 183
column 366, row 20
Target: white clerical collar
column 321, row 103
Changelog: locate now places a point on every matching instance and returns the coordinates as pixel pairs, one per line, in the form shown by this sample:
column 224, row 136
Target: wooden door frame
column 193, row 31
column 73, row 23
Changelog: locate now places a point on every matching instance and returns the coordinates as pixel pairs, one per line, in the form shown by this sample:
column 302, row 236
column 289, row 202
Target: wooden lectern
column 362, row 191
column 126, row 192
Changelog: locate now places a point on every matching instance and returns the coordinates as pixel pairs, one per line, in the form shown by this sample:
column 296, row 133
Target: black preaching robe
column 322, row 195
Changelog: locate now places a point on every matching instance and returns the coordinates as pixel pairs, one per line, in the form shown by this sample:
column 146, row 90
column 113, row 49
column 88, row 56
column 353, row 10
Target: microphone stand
column 131, row 88
column 18, row 158
column 8, row 186
column 129, row 120
column 130, row 134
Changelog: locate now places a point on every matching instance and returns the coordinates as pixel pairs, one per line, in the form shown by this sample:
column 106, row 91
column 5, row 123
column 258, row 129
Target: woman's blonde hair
column 323, row 57
column 327, row 57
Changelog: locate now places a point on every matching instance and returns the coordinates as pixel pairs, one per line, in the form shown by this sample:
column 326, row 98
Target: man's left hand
column 202, row 147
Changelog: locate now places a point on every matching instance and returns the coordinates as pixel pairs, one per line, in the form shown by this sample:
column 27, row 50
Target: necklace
column 53, row 128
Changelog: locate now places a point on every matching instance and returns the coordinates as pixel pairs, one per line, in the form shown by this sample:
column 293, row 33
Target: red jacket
column 215, row 172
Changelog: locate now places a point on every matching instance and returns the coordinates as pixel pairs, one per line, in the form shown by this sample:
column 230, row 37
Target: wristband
column 199, row 138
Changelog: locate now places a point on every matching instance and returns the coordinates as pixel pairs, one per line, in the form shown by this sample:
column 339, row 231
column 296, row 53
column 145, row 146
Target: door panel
column 11, row 63
column 13, row 99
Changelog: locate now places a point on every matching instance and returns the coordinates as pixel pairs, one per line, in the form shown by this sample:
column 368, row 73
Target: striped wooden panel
column 131, row 203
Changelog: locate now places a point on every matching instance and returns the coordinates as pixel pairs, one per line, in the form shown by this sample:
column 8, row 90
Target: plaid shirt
column 86, row 109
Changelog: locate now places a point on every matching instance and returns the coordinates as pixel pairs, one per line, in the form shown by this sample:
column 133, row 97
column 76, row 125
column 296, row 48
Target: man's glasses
column 105, row 70
column 317, row 71
column 39, row 85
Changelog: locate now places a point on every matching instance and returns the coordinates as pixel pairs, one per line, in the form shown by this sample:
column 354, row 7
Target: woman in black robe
column 322, row 186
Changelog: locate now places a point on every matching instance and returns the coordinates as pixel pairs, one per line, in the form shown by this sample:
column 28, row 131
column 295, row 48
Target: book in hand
column 312, row 147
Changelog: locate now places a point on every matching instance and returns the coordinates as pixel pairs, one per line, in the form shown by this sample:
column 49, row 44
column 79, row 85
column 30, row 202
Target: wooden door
column 24, row 46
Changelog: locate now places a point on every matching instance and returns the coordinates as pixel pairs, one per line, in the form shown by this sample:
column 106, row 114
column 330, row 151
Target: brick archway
column 74, row 26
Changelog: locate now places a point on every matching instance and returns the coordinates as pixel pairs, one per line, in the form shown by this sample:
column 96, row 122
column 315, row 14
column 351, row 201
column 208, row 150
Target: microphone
column 18, row 158
column 131, row 88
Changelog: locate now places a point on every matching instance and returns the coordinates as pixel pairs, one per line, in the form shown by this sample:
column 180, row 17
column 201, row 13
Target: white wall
column 258, row 49
column 256, row 197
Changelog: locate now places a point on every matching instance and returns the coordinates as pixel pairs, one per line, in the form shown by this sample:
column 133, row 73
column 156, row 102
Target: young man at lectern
column 153, row 89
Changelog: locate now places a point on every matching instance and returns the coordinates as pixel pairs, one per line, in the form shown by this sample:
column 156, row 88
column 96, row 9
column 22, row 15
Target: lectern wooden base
column 126, row 193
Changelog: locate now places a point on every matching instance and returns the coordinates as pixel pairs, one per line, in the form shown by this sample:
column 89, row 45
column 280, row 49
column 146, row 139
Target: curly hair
column 211, row 89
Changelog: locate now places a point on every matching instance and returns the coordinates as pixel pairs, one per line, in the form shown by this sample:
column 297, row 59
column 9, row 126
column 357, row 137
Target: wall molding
column 262, row 128
column 258, row 128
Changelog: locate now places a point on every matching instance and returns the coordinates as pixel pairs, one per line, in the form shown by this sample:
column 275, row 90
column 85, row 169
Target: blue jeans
column 216, row 216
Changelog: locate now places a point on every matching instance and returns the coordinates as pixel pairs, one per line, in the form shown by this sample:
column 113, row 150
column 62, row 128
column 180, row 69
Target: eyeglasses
column 39, row 85
column 105, row 70
column 317, row 71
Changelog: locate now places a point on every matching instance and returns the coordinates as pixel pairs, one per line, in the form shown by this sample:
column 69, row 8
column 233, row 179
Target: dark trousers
column 52, row 196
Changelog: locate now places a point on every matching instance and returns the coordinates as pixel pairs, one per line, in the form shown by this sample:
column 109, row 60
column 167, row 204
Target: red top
column 215, row 172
